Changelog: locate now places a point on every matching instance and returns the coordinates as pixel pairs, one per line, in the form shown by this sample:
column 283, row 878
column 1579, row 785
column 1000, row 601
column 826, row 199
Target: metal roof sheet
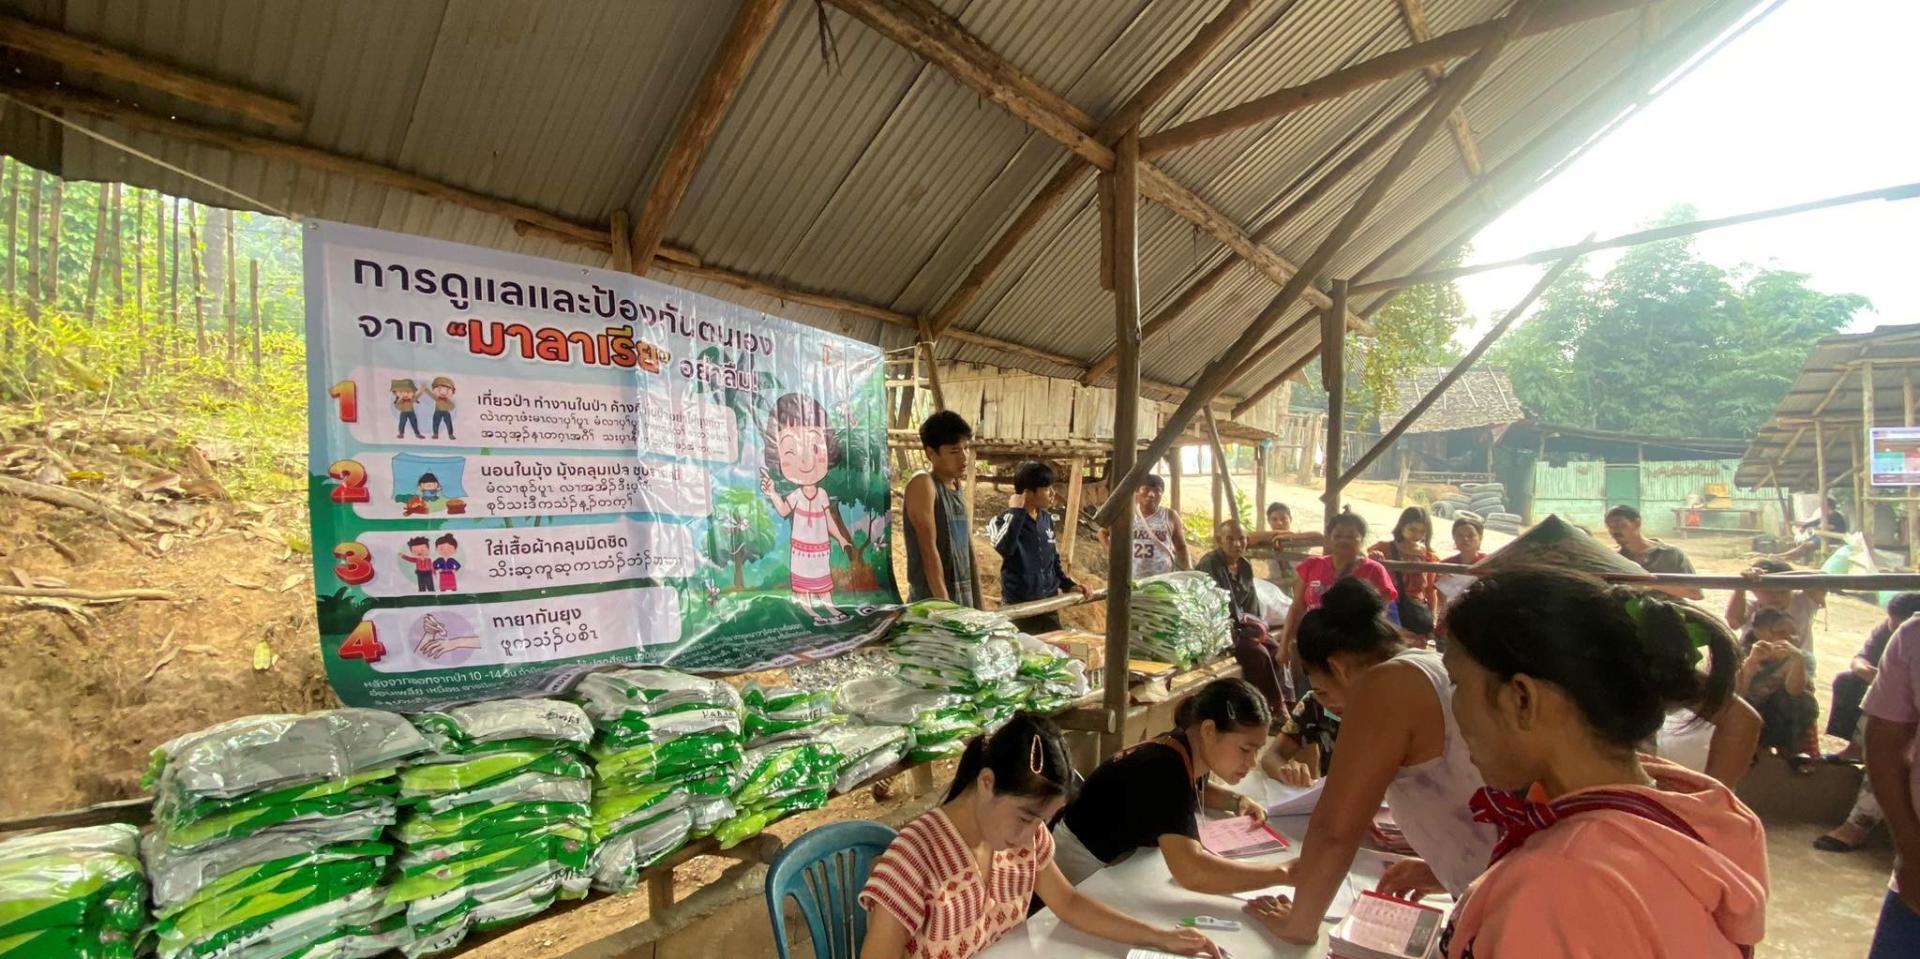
column 1830, row 389
column 866, row 173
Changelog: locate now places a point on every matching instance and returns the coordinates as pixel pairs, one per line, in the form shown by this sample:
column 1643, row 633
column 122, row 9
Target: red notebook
column 1382, row 927
column 1240, row 838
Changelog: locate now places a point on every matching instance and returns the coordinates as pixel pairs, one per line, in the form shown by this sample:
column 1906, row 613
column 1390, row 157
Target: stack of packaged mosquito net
column 1181, row 618
column 496, row 826
column 666, row 750
column 1052, row 680
column 938, row 723
column 76, row 893
column 865, row 751
column 267, row 838
column 787, row 714
column 939, row 645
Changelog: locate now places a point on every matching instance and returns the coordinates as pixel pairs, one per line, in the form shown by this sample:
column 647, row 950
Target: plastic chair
column 825, row 870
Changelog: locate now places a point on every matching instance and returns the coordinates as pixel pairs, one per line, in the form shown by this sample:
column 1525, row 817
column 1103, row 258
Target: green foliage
column 1667, row 343
column 1198, row 524
column 1413, row 331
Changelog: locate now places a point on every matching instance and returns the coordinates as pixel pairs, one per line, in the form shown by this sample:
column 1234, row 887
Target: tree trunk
column 119, row 258
column 173, row 285
column 50, row 292
column 92, row 305
column 739, row 574
column 233, row 317
column 13, row 229
column 199, row 288
column 210, row 250
column 253, row 294
column 33, row 259
column 140, row 269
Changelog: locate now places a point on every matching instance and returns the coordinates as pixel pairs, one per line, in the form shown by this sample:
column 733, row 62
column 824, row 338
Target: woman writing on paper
column 1559, row 678
column 1151, row 795
column 958, row 878
column 1398, row 743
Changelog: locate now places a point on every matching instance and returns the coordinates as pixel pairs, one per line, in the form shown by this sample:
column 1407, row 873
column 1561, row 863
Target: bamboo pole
column 1414, row 14
column 1441, row 49
column 725, row 75
column 1904, row 191
column 253, row 296
column 1333, row 373
column 1261, row 459
column 1213, row 485
column 1453, row 376
column 1820, row 477
column 1913, row 501
column 1215, row 376
column 1126, row 408
column 1173, row 479
column 1867, row 409
column 1848, row 581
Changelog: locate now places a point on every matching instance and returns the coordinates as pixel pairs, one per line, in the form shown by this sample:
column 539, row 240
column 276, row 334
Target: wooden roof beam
column 928, row 31
column 1365, row 152
column 78, row 53
column 1453, row 91
column 725, row 74
column 1414, row 14
column 1067, row 178
column 1439, row 50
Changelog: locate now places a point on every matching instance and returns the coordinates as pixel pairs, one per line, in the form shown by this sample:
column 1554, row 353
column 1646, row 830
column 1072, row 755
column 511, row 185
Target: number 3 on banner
column 356, row 564
column 352, row 478
column 363, row 644
column 348, row 393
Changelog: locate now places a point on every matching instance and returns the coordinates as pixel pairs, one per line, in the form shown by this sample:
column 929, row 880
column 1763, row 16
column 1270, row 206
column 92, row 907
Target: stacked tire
column 1485, row 502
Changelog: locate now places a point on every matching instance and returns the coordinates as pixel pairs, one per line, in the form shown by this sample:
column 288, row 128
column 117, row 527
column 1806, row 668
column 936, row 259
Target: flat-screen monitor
column 1896, row 456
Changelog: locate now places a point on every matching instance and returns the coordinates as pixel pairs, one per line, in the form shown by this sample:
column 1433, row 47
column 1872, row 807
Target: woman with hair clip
column 1398, row 743
column 1558, row 678
column 1152, row 795
column 961, row 876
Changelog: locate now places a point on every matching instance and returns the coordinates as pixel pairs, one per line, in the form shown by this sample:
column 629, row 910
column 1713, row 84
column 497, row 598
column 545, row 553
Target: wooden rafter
column 78, row 53
column 1360, row 155
column 1441, row 49
column 926, row 30
column 1453, row 91
column 1414, row 14
column 725, row 74
column 1068, row 177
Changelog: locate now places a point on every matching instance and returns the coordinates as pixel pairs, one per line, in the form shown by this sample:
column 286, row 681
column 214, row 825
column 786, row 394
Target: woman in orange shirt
column 1419, row 601
column 1557, row 680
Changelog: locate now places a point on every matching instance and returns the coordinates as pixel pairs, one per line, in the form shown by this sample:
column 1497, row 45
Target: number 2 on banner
column 348, row 393
column 363, row 644
column 352, row 478
column 356, row 564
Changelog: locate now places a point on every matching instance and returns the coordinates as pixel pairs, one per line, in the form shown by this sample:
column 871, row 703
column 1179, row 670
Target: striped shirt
column 929, row 880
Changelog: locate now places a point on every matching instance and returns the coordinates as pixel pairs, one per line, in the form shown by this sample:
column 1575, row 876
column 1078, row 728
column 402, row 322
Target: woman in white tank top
column 1398, row 743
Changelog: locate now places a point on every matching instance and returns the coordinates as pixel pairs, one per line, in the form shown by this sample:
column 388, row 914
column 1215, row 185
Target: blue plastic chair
column 825, row 870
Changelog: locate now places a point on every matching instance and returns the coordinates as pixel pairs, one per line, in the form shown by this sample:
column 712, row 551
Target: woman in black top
column 1151, row 795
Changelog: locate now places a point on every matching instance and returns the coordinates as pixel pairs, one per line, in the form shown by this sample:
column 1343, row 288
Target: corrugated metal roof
column 1830, row 387
column 872, row 174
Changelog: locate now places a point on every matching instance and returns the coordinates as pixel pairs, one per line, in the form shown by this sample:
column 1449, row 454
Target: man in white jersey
column 1159, row 545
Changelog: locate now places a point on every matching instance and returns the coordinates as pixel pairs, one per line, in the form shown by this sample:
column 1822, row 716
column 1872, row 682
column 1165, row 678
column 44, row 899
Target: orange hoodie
column 1610, row 883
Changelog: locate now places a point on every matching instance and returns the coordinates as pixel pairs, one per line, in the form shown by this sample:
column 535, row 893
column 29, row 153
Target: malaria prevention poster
column 522, row 470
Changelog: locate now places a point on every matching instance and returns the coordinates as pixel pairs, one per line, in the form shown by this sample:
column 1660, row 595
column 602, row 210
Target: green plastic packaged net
column 1181, row 618
column 77, row 893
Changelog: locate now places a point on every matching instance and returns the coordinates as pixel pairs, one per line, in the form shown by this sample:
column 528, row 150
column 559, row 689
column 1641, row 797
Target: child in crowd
column 958, row 878
column 1399, row 745
column 1774, row 680
column 1418, row 602
column 1557, row 680
column 1289, row 547
column 1467, row 534
column 1258, row 654
column 1303, row 750
column 1151, row 795
column 1025, row 538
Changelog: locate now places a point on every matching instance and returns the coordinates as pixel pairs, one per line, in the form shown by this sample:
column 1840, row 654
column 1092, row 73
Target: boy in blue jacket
column 1025, row 537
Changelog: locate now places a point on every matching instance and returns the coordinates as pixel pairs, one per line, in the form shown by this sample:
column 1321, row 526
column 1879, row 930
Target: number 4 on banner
column 348, row 393
column 363, row 644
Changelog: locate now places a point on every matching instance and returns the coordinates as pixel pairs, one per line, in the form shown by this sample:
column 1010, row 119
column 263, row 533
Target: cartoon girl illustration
column 802, row 446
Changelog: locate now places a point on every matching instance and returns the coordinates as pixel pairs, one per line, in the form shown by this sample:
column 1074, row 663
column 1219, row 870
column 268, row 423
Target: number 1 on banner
column 363, row 644
column 348, row 393
column 352, row 478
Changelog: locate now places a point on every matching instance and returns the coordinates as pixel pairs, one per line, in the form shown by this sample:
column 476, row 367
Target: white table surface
column 1143, row 887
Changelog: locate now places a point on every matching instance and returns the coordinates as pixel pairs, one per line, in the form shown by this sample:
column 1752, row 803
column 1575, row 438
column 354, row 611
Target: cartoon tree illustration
column 743, row 527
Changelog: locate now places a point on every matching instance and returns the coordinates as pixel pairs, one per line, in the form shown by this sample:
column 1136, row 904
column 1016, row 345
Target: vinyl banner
column 522, row 470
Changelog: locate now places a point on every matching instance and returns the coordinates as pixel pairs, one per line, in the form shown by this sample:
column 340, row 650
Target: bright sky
column 1815, row 101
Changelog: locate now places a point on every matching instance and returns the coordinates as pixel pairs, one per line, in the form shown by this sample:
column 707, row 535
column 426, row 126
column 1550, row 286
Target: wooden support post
column 1333, row 372
column 1820, row 478
column 1214, row 477
column 1400, row 491
column 1261, row 457
column 725, row 75
column 1217, row 373
column 1075, row 468
column 973, row 488
column 933, row 376
column 1459, row 370
column 1866, row 439
column 1126, row 409
column 1224, row 470
column 1860, row 504
column 620, row 234
column 1309, row 441
column 1173, row 479
column 660, row 892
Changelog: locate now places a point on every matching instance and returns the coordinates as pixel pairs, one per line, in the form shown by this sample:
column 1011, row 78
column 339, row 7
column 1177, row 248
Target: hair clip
column 1037, row 757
